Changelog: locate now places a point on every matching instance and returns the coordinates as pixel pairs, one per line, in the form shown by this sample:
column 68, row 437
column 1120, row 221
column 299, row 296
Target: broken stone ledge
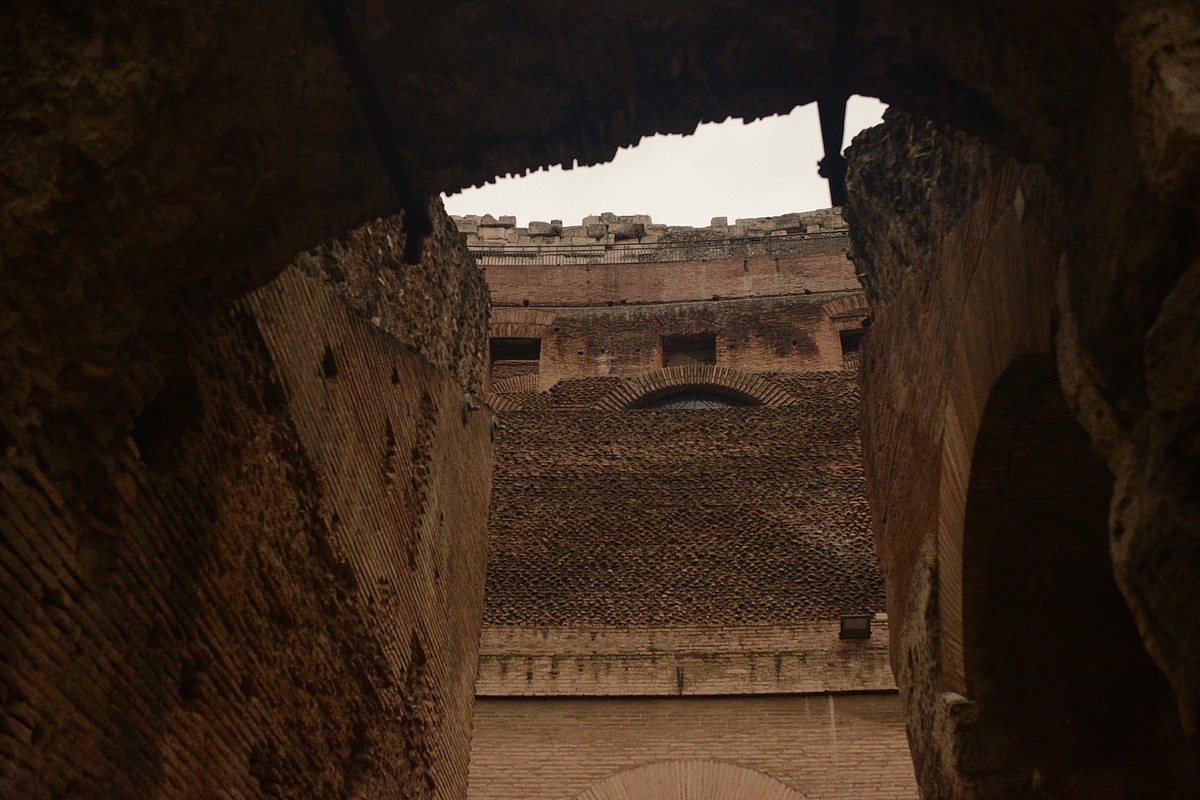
column 489, row 232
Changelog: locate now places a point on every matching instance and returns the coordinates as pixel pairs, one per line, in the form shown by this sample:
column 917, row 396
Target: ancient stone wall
column 689, row 264
column 778, row 311
column 273, row 587
column 642, row 553
column 777, row 334
column 965, row 273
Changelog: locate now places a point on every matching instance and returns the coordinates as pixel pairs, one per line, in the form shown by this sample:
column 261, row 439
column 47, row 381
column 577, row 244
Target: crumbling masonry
column 242, row 520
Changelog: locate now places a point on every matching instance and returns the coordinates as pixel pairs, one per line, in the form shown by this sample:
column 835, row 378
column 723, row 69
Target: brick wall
column 968, row 282
column 765, row 334
column 272, row 587
column 822, row 746
column 695, row 660
column 814, row 265
column 734, row 516
column 953, row 306
column 696, row 553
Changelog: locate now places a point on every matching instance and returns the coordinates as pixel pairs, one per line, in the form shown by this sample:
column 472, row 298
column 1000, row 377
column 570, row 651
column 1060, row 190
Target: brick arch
column 854, row 307
column 745, row 385
column 517, row 383
column 520, row 323
column 698, row 779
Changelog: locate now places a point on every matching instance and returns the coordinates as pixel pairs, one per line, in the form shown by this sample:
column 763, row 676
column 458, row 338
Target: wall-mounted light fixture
column 856, row 626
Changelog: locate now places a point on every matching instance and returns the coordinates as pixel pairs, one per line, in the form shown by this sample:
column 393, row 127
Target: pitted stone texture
column 435, row 307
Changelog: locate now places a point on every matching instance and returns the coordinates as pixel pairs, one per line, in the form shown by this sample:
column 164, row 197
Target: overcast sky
column 728, row 169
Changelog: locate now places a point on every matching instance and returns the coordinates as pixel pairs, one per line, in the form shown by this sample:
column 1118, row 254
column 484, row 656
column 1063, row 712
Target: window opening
column 851, row 340
column 510, row 357
column 697, row 348
column 695, row 399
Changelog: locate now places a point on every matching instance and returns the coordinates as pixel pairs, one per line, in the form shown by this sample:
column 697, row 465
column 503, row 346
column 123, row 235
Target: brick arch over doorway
column 698, row 779
column 743, row 385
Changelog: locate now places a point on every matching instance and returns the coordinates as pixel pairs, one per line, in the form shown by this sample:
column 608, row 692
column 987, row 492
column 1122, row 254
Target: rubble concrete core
column 161, row 161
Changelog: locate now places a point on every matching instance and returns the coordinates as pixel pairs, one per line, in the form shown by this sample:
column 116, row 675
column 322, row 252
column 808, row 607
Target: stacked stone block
column 609, row 228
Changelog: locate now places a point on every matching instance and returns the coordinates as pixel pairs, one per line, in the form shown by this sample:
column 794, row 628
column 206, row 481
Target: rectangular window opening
column 851, row 340
column 515, row 349
column 512, row 358
column 692, row 348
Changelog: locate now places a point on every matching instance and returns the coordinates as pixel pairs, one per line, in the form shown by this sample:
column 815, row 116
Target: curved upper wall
column 617, row 260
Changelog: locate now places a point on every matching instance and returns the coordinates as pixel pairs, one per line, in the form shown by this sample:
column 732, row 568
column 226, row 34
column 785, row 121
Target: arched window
column 695, row 398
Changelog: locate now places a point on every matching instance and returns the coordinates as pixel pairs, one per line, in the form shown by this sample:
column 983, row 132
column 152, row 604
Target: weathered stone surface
column 963, row 257
column 250, row 599
column 438, row 307
column 160, row 160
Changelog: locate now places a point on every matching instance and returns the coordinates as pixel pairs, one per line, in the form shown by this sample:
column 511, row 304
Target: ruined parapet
column 609, row 238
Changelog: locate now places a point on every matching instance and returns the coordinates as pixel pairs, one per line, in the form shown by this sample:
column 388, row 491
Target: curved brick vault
column 690, row 780
column 162, row 160
column 642, row 389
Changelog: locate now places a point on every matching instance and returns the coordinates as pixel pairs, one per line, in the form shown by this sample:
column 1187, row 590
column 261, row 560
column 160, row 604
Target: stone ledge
column 663, row 661
column 502, row 233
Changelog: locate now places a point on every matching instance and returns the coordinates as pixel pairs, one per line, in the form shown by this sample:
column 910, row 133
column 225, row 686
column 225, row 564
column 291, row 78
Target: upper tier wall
column 628, row 260
column 492, row 237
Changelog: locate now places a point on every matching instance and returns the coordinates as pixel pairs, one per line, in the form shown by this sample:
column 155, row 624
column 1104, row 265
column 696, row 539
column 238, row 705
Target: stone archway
column 1067, row 703
column 183, row 167
column 698, row 779
column 742, row 385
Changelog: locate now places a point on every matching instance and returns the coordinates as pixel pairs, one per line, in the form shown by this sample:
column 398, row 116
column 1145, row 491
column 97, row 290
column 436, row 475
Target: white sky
column 729, row 169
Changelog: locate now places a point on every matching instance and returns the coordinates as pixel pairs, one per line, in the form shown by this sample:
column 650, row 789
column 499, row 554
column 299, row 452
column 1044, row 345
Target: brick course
column 695, row 660
column 816, row 265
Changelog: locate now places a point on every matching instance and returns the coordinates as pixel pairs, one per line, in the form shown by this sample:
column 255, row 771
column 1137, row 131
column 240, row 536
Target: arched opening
column 1069, row 703
column 696, row 397
column 691, row 780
